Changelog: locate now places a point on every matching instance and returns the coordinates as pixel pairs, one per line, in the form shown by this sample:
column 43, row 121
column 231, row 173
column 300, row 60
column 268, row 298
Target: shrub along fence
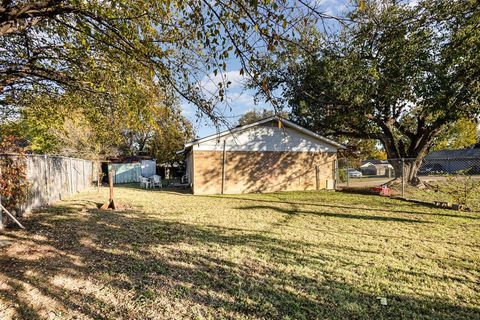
column 52, row 178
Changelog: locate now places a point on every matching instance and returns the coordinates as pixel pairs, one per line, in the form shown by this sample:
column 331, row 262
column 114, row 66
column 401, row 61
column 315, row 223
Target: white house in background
column 269, row 155
column 374, row 167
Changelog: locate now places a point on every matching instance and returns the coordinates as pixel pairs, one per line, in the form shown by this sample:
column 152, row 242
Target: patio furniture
column 156, row 181
column 145, row 182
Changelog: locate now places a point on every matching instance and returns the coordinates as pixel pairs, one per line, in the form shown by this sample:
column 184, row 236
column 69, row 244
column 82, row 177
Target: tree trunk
column 411, row 171
column 412, row 155
column 397, row 167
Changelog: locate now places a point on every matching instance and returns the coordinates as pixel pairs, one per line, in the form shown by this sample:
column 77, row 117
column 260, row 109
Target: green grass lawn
column 305, row 255
column 438, row 190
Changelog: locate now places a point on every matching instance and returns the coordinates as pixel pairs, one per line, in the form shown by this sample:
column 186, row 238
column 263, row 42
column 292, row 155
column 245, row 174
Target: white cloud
column 413, row 3
column 188, row 109
column 210, row 82
column 238, row 101
column 332, row 7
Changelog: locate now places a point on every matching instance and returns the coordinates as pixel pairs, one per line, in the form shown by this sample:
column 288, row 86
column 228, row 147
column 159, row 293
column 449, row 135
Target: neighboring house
column 453, row 161
column 376, row 168
column 130, row 169
column 269, row 155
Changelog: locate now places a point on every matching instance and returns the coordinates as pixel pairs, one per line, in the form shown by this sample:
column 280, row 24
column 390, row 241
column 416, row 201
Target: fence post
column 83, row 174
column 348, row 176
column 70, row 174
column 403, row 178
column 337, row 174
column 99, row 175
column 317, row 177
column 224, row 161
column 47, row 174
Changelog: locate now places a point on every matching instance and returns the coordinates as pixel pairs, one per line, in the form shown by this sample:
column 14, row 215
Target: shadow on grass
column 386, row 207
column 295, row 211
column 149, row 258
column 170, row 190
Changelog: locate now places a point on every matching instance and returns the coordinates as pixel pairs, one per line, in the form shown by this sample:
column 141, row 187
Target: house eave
column 284, row 122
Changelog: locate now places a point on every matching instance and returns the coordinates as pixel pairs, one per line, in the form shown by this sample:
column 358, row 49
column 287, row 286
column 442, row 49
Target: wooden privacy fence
column 51, row 178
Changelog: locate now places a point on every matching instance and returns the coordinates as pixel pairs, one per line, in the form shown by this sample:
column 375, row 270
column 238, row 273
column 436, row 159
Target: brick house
column 269, row 155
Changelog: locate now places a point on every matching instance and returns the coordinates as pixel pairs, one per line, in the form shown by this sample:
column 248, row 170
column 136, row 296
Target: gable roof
column 374, row 162
column 285, row 122
column 451, row 154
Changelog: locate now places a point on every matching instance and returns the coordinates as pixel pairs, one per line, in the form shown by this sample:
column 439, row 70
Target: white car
column 352, row 173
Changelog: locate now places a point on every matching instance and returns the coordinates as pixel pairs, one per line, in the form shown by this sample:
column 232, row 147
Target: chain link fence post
column 348, row 176
column 337, row 174
column 403, row 177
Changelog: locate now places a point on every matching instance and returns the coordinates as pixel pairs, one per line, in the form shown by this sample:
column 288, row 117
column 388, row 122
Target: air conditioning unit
column 330, row 184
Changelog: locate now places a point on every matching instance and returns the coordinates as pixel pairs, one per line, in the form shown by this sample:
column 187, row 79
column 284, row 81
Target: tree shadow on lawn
column 126, row 265
column 178, row 191
column 295, row 211
column 354, row 207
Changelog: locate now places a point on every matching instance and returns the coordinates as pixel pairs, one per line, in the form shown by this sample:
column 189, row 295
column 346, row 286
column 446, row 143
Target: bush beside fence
column 51, row 178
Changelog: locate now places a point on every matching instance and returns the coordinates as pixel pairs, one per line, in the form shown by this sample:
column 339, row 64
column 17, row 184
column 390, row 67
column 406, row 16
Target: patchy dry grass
column 272, row 256
column 438, row 190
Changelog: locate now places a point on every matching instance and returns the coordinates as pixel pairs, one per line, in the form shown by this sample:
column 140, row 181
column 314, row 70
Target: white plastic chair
column 156, row 181
column 144, row 182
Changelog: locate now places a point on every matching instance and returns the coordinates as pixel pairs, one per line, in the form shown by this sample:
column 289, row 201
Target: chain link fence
column 363, row 174
column 450, row 182
column 51, row 178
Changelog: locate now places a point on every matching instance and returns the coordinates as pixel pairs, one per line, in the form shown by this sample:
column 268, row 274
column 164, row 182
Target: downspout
column 224, row 160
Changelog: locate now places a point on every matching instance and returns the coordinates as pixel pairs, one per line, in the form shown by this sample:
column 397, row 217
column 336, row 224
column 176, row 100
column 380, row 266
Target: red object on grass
column 383, row 190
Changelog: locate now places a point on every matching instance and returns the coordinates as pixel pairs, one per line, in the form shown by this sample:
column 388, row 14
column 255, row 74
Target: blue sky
column 239, row 99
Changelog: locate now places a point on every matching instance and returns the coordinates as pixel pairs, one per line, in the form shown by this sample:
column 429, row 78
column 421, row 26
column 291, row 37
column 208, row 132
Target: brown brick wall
column 207, row 172
column 247, row 172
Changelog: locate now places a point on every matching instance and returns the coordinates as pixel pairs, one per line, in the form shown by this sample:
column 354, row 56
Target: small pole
column 110, row 184
column 83, row 175
column 348, row 176
column 61, row 178
column 403, row 178
column 99, row 175
column 317, row 176
column 11, row 216
column 47, row 175
column 337, row 174
column 110, row 204
column 70, row 175
column 223, row 165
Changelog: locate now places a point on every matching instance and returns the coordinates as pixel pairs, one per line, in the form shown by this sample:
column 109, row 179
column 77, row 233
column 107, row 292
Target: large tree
column 457, row 135
column 51, row 45
column 74, row 123
column 397, row 73
column 255, row 115
column 170, row 134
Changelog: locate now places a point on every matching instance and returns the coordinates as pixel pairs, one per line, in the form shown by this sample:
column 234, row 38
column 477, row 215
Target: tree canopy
column 460, row 134
column 140, row 118
column 54, row 45
column 97, row 78
column 255, row 115
column 398, row 73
